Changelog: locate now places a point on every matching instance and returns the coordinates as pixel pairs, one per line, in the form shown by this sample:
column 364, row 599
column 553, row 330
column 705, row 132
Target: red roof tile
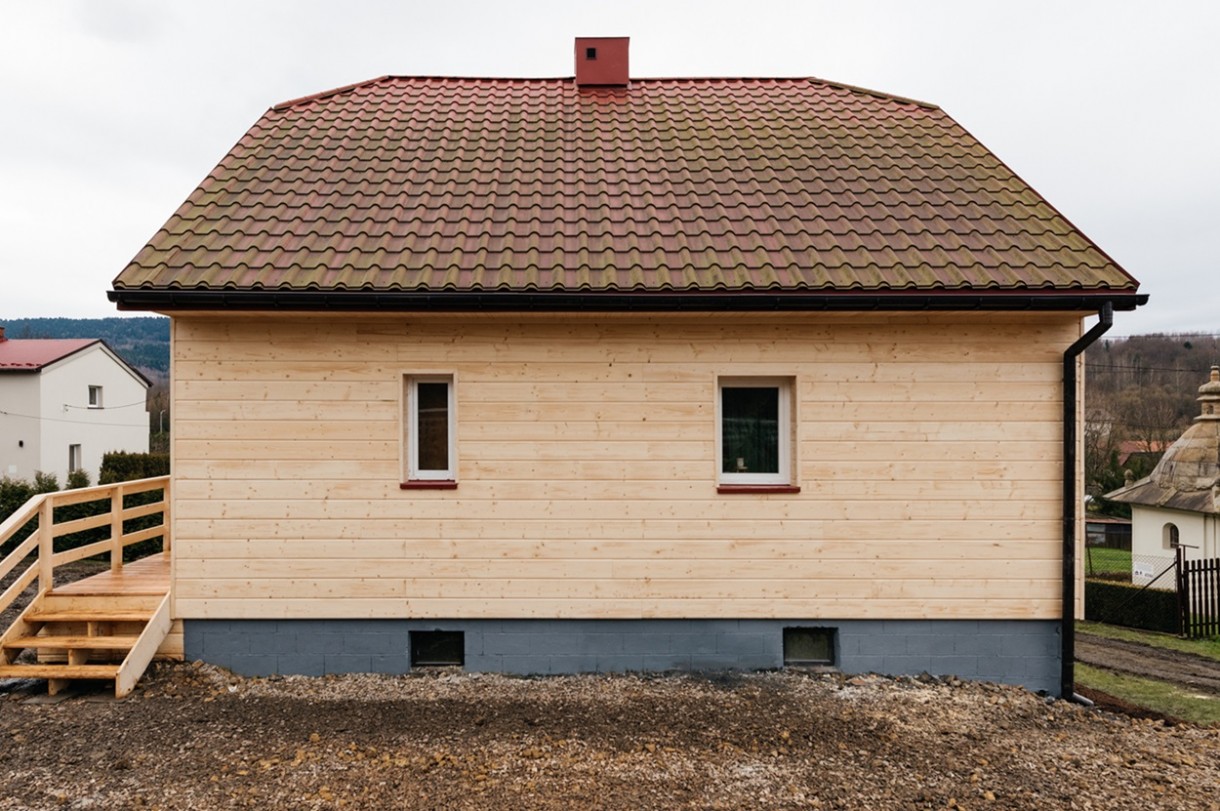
column 436, row 185
column 30, row 355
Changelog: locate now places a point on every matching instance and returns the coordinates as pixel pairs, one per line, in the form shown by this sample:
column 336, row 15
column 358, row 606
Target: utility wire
column 71, row 422
column 105, row 408
column 1200, row 370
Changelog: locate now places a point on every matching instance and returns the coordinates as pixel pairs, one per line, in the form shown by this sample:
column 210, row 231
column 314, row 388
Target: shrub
column 120, row 466
column 77, row 479
column 45, row 482
column 1128, row 605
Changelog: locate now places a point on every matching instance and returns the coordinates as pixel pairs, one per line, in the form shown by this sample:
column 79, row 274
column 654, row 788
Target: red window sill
column 429, row 484
column 757, row 489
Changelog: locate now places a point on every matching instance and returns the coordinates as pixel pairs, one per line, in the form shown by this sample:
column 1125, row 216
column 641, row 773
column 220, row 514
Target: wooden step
column 38, row 671
column 72, row 642
column 91, row 615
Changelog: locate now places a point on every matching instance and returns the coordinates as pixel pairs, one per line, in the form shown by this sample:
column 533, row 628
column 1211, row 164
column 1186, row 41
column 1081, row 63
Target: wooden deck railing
column 41, row 541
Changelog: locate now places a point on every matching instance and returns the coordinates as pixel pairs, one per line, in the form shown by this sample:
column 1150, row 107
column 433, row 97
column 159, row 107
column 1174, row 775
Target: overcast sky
column 114, row 110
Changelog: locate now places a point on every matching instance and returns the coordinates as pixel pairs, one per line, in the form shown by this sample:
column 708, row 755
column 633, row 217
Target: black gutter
column 169, row 300
column 1071, row 496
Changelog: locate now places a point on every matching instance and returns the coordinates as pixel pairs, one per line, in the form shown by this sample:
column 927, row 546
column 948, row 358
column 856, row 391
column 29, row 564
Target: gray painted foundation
column 1007, row 651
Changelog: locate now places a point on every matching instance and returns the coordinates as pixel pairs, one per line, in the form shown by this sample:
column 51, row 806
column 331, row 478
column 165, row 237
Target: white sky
column 114, row 110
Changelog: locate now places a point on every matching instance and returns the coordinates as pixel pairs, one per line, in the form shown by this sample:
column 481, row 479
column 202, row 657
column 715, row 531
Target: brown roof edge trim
column 363, row 301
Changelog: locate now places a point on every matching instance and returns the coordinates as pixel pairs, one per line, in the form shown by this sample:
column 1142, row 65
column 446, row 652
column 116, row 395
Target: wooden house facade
column 602, row 374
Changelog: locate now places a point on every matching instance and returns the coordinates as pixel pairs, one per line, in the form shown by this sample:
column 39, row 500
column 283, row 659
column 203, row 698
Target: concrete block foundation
column 1023, row 652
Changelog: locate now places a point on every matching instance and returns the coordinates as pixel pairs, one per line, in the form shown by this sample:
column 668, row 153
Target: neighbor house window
column 95, row 396
column 1169, row 536
column 430, row 429
column 755, row 431
column 74, row 463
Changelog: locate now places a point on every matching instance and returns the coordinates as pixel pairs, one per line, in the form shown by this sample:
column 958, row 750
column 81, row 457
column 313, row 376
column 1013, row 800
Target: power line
column 71, row 422
column 106, row 408
column 1199, row 370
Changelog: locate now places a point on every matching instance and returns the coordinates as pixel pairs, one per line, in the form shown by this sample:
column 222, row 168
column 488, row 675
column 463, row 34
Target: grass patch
column 1160, row 696
column 1100, row 560
column 1209, row 648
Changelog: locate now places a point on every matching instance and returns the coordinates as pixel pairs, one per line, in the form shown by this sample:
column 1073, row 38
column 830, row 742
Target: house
column 1178, row 504
column 604, row 373
column 1146, row 451
column 64, row 403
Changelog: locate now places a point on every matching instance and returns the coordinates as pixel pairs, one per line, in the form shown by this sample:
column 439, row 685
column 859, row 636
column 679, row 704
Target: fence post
column 46, row 543
column 1183, row 584
column 116, row 529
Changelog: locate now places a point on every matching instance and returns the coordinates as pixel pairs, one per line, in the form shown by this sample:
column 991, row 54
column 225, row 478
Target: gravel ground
column 197, row 737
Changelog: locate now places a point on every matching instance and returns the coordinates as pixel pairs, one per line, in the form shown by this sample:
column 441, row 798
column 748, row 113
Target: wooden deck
column 148, row 575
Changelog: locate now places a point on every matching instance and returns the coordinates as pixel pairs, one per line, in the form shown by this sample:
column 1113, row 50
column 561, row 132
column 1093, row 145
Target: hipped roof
column 417, row 189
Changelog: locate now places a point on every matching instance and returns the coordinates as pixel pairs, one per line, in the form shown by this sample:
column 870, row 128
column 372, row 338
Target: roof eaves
column 170, row 300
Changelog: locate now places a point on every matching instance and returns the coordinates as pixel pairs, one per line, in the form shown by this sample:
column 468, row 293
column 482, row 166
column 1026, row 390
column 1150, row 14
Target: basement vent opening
column 809, row 646
column 437, row 648
column 590, row 53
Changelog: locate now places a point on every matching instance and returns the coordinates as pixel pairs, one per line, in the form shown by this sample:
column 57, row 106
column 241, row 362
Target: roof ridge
column 645, row 79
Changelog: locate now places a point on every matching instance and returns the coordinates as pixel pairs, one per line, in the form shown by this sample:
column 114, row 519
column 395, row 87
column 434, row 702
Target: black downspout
column 1067, row 685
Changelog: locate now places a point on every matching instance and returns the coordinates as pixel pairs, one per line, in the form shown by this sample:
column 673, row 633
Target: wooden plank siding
column 927, row 449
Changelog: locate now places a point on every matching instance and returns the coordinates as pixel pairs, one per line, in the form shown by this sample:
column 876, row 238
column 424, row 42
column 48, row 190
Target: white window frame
column 95, row 397
column 75, row 458
column 411, row 391
column 785, row 386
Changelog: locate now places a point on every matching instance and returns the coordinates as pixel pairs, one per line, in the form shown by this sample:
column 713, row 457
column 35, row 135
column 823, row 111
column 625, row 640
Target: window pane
column 749, row 430
column 432, row 433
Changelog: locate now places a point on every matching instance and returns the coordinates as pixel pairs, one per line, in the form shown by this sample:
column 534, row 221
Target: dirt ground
column 196, row 737
column 1196, row 672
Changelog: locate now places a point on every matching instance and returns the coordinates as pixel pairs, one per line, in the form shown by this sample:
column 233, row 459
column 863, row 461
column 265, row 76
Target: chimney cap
column 602, row 61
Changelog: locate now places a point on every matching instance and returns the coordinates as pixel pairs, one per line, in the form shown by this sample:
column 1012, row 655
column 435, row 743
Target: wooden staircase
column 109, row 626
column 100, row 636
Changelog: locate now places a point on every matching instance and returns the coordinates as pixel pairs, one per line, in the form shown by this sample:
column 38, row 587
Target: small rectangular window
column 95, row 396
column 755, row 431
column 430, row 429
column 74, row 458
column 437, row 648
column 809, row 646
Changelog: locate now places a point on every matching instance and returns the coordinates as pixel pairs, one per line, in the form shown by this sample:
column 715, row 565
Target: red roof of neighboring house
column 1130, row 447
column 431, row 187
column 32, row 354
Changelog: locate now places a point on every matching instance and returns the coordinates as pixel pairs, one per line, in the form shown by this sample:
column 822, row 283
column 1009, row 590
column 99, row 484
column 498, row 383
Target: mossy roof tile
column 435, row 184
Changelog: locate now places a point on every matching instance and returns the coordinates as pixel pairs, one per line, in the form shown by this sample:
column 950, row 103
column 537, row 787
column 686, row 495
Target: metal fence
column 1158, row 592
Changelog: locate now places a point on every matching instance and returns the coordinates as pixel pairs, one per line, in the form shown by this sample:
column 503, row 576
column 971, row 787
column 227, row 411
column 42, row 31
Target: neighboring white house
column 64, row 403
column 1178, row 504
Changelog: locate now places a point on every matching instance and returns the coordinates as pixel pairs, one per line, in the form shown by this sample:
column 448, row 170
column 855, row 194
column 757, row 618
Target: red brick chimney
column 2, row 338
column 601, row 61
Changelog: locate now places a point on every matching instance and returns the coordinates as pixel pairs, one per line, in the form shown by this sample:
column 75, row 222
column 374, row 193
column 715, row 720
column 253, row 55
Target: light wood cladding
column 928, row 454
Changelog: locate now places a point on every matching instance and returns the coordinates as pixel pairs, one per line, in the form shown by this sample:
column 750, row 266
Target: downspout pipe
column 1071, row 497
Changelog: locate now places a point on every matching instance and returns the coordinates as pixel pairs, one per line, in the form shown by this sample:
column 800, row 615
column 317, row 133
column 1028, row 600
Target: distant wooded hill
column 1139, row 397
column 1150, row 382
column 142, row 342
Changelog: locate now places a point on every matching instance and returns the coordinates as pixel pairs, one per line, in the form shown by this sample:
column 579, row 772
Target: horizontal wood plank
column 927, row 451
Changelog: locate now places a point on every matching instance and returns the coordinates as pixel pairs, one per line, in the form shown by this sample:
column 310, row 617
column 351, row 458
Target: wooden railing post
column 46, row 544
column 116, row 529
column 167, row 538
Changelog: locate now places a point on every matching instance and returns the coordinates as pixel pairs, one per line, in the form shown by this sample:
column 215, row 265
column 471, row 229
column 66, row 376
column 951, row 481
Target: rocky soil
column 196, row 737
